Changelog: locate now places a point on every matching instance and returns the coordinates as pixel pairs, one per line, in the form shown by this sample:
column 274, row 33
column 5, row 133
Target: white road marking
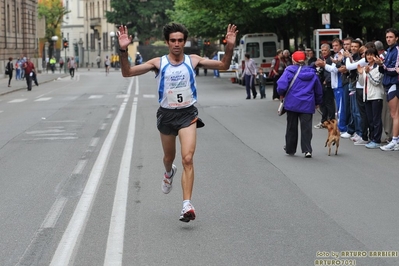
column 43, row 99
column 137, row 87
column 149, row 96
column 45, row 131
column 103, row 126
column 54, row 213
column 56, row 134
column 122, row 96
column 54, row 138
column 79, row 167
column 114, row 249
column 96, row 96
column 66, row 248
column 94, row 142
column 17, row 100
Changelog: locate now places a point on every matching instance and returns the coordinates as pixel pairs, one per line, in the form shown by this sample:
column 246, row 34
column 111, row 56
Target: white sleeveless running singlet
column 176, row 84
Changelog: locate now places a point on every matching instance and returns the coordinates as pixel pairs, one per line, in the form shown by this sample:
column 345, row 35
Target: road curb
column 24, row 88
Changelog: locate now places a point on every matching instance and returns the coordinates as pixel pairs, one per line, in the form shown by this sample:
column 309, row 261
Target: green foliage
column 145, row 18
column 53, row 11
column 288, row 18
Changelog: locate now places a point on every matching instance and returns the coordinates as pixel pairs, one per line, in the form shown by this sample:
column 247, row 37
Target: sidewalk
column 21, row 84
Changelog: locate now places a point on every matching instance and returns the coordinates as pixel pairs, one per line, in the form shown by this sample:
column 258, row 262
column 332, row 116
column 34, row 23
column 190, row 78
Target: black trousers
column 29, row 79
column 9, row 78
column 275, row 93
column 291, row 134
column 364, row 122
column 327, row 108
column 374, row 111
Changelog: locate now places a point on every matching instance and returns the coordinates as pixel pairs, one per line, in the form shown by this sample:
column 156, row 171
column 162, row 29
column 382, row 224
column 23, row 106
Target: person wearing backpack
column 9, row 70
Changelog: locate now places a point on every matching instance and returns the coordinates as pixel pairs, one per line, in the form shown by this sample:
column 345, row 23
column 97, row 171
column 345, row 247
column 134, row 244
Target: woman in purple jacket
column 300, row 102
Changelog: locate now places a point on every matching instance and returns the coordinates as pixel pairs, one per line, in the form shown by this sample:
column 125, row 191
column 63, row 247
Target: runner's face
column 176, row 43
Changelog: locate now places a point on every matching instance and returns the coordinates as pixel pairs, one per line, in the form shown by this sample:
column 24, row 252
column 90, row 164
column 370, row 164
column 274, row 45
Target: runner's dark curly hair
column 172, row 28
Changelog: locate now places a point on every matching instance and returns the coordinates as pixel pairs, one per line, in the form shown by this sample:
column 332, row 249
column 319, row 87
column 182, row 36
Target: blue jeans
column 341, row 112
column 355, row 114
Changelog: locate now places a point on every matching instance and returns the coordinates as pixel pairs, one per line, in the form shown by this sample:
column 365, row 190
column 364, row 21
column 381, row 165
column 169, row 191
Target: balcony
column 95, row 22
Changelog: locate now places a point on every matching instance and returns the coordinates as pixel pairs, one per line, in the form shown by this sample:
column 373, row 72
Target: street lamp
column 54, row 39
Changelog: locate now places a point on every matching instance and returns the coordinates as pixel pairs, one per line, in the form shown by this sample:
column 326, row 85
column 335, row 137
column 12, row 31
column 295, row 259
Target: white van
column 262, row 48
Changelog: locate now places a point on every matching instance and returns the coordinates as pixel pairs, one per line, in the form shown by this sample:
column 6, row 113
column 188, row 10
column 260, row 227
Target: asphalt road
column 81, row 170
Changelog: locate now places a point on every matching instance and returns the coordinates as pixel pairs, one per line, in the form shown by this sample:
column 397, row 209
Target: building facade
column 20, row 30
column 87, row 31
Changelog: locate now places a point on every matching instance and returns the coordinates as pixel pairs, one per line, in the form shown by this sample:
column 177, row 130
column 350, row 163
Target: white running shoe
column 345, row 135
column 361, row 142
column 391, row 146
column 355, row 137
column 187, row 213
column 319, row 126
column 167, row 181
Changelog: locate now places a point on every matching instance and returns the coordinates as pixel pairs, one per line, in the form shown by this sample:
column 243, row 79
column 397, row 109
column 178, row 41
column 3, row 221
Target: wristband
column 123, row 51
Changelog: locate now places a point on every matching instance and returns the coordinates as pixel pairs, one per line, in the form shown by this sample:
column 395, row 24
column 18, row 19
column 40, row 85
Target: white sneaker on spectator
column 345, row 135
column 391, row 146
column 356, row 137
column 319, row 125
column 361, row 142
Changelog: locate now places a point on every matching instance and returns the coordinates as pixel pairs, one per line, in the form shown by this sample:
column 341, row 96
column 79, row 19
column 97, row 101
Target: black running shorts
column 170, row 121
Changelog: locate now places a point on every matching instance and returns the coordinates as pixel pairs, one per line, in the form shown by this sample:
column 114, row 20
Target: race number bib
column 179, row 97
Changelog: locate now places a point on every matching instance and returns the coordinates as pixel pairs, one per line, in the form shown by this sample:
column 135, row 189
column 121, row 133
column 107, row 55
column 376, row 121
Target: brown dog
column 333, row 135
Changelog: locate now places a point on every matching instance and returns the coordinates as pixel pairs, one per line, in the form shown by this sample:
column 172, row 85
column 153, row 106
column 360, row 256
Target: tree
column 53, row 11
column 289, row 19
column 145, row 18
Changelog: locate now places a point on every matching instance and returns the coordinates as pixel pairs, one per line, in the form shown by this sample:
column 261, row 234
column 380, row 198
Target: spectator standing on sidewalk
column 373, row 96
column 327, row 107
column 277, row 69
column 9, row 70
column 17, row 70
column 303, row 97
column 391, row 83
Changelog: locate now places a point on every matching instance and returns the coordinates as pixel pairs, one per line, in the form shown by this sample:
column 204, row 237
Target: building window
column 18, row 25
column 8, row 19
column 92, row 42
column 67, row 8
